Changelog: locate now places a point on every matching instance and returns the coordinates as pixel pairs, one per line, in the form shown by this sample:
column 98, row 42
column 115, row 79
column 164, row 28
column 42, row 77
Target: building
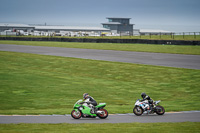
column 45, row 30
column 57, row 29
column 119, row 25
column 14, row 27
column 114, row 27
column 154, row 32
column 72, row 30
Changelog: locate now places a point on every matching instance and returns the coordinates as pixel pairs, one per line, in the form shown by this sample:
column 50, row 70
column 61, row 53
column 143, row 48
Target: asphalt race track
column 158, row 59
column 192, row 116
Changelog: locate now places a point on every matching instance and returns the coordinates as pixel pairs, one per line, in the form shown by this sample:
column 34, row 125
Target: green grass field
column 185, row 127
column 40, row 84
column 174, row 49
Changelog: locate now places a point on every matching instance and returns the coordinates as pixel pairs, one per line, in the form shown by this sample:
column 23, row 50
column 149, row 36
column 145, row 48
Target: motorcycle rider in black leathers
column 145, row 97
column 90, row 101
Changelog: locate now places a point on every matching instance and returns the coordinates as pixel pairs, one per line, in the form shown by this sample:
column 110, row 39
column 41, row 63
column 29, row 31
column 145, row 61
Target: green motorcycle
column 81, row 109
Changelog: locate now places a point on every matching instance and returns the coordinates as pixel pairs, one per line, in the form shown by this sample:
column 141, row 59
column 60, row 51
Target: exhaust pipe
column 100, row 112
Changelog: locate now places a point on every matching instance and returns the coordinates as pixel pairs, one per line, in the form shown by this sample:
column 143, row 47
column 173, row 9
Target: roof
column 69, row 28
column 116, row 18
column 42, row 27
column 15, row 25
column 111, row 23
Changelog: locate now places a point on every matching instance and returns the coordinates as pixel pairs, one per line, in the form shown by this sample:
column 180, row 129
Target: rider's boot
column 92, row 109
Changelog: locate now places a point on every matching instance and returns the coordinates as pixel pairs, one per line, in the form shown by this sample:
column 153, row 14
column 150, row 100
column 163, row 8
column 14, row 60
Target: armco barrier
column 143, row 41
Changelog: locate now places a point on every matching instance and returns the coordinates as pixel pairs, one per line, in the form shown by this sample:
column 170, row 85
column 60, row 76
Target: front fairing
column 137, row 102
column 77, row 104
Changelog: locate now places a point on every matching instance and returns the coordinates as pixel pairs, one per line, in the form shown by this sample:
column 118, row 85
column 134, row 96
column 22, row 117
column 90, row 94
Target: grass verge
column 174, row 49
column 184, row 127
column 40, row 84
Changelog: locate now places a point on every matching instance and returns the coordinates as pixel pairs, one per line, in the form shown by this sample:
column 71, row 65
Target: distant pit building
column 119, row 26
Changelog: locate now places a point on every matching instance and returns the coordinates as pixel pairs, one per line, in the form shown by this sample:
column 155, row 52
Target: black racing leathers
column 148, row 98
column 92, row 101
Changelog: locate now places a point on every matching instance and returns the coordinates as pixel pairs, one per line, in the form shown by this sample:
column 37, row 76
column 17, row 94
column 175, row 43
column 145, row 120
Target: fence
column 178, row 35
column 104, row 40
column 155, row 36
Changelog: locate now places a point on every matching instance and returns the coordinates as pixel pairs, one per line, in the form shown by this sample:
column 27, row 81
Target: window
column 110, row 20
column 124, row 21
column 106, row 26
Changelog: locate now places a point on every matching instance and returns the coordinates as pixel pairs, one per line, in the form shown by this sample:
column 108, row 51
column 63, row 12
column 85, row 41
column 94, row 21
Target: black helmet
column 143, row 95
column 85, row 95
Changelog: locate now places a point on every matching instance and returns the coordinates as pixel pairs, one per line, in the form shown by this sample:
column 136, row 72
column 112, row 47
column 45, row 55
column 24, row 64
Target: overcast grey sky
column 172, row 15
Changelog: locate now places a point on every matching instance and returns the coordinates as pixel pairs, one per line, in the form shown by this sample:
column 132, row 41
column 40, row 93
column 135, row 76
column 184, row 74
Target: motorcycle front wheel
column 104, row 115
column 160, row 110
column 137, row 110
column 76, row 114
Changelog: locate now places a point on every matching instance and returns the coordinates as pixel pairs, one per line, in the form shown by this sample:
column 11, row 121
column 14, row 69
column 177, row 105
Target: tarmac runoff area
column 157, row 59
column 185, row 116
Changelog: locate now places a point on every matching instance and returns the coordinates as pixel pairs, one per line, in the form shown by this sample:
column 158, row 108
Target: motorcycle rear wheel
column 76, row 114
column 160, row 110
column 137, row 111
column 104, row 115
